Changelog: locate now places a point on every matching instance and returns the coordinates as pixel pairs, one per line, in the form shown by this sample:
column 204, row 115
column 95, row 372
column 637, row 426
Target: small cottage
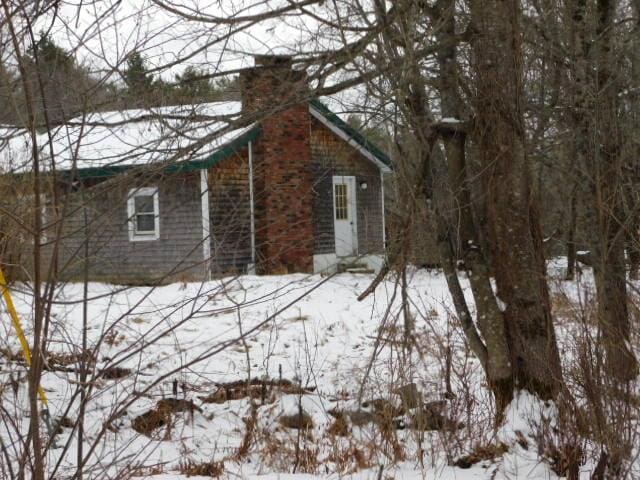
column 187, row 193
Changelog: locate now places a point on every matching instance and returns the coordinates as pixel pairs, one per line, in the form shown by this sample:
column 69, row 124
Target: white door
column 344, row 215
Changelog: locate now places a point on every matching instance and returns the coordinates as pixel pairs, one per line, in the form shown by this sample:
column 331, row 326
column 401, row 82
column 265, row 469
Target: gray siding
column 332, row 156
column 176, row 255
column 230, row 213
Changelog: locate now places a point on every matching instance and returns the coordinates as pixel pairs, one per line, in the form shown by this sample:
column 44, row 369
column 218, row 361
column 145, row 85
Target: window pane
column 145, row 223
column 144, row 203
column 341, row 202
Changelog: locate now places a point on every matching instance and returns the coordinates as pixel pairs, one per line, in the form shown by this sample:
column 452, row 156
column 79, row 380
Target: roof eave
column 353, row 138
column 186, row 166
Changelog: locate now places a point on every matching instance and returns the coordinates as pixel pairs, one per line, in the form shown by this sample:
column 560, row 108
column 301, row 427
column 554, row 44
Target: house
column 175, row 193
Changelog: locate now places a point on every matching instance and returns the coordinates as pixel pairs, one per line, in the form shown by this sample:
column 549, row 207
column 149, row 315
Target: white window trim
column 131, row 211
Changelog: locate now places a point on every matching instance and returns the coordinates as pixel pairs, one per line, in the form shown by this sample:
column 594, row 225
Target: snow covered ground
column 149, row 344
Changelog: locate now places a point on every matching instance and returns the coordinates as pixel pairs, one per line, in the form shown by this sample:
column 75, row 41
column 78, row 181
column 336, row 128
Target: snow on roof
column 103, row 143
column 126, row 138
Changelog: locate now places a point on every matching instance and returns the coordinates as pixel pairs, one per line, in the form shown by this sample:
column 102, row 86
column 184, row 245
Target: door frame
column 352, row 206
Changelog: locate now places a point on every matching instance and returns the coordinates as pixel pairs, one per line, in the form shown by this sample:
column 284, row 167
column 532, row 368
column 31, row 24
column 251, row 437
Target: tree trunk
column 633, row 233
column 571, row 237
column 632, row 161
column 435, row 190
column 513, row 221
column 605, row 162
column 35, row 368
column 490, row 319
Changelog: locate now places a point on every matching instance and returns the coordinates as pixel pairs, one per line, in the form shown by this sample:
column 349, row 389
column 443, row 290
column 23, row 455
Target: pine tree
column 137, row 78
column 193, row 85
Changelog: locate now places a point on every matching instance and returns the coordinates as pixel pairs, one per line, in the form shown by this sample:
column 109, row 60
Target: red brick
column 275, row 94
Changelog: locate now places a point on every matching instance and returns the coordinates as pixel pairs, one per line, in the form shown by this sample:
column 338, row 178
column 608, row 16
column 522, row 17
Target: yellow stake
column 18, row 328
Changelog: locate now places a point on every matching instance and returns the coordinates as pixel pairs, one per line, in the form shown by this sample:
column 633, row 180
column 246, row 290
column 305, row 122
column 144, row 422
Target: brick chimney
column 275, row 94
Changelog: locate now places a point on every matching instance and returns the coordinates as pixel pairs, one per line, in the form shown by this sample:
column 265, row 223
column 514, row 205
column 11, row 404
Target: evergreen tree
column 193, row 84
column 61, row 87
column 51, row 55
column 7, row 88
column 137, row 78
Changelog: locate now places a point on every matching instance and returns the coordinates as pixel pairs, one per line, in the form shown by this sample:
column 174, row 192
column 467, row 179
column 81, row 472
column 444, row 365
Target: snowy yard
column 309, row 345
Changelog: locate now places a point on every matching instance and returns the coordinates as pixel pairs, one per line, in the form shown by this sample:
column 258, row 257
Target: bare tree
column 472, row 103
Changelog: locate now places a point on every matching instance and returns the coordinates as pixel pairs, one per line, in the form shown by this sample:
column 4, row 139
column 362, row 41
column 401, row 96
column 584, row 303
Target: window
column 342, row 204
column 143, row 214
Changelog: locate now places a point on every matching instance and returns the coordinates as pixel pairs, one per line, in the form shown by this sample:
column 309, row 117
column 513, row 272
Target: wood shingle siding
column 176, row 255
column 230, row 213
column 295, row 155
column 332, row 156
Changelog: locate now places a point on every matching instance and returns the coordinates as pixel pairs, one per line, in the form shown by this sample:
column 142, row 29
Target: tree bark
column 571, row 238
column 490, row 319
column 35, row 368
column 432, row 185
column 632, row 161
column 605, row 164
column 513, row 220
column 633, row 232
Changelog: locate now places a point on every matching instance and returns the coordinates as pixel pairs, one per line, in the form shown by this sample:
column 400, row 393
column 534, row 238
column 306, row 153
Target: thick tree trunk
column 435, row 189
column 490, row 318
column 633, row 235
column 432, row 185
column 632, row 160
column 513, row 222
column 605, row 164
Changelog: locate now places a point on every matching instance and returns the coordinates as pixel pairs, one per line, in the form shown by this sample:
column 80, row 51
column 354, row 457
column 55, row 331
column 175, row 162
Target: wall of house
column 176, row 255
column 230, row 213
column 333, row 156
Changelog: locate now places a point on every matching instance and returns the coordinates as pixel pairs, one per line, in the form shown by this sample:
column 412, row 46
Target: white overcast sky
column 102, row 33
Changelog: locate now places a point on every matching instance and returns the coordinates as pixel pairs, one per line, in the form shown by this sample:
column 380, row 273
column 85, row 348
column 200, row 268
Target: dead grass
column 298, row 318
column 339, row 427
column 162, row 414
column 263, row 389
column 561, row 306
column 482, row 453
column 114, row 373
column 287, row 455
column 114, row 338
column 298, row 421
column 205, row 469
column 54, row 359
column 351, row 458
column 150, row 421
column 144, row 472
column 248, row 438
